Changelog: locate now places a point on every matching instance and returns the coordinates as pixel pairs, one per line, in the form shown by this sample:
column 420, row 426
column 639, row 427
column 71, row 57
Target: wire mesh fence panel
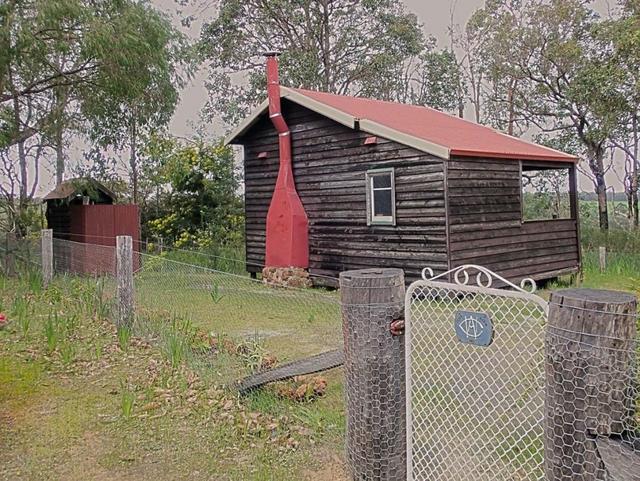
column 83, row 259
column 475, row 382
column 291, row 322
column 28, row 251
column 592, row 396
column 592, row 428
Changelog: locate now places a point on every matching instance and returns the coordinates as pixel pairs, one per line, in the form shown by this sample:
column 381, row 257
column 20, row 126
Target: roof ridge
column 425, row 128
column 432, row 109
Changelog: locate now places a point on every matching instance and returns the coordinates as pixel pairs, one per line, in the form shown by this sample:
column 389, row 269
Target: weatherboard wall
column 329, row 165
column 486, row 227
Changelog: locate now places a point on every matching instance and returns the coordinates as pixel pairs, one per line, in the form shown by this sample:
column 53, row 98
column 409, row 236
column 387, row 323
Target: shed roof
column 423, row 128
column 77, row 186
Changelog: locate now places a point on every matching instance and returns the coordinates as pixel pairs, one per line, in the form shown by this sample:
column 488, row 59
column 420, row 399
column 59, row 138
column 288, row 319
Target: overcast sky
column 435, row 15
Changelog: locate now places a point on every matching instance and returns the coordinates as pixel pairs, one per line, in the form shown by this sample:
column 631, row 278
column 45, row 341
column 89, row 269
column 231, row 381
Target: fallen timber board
column 319, row 362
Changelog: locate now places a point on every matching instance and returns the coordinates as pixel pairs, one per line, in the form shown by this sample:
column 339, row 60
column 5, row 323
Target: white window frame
column 379, row 219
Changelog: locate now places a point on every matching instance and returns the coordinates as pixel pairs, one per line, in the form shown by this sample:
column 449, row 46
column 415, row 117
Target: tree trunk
column 634, row 172
column 603, row 209
column 60, row 98
column 22, row 164
column 596, row 164
column 326, row 47
column 59, row 154
column 133, row 162
column 510, row 103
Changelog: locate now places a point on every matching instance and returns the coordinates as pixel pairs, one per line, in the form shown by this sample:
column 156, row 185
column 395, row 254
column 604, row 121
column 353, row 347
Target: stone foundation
column 286, row 277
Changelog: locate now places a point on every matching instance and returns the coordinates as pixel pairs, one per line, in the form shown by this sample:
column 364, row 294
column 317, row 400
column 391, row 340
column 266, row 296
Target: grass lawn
column 81, row 400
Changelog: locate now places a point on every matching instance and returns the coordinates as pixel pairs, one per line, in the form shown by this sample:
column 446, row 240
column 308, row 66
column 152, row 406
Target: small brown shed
column 385, row 184
column 84, row 212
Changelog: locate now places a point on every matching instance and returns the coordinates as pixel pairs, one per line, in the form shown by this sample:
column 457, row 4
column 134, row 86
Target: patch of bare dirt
column 331, row 467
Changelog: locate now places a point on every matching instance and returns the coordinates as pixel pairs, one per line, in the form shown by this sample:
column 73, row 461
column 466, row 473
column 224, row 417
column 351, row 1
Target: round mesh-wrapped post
column 590, row 395
column 374, row 374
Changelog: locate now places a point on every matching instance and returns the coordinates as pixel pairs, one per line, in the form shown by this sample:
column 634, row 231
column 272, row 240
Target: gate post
column 124, row 275
column 46, row 247
column 589, row 363
column 374, row 374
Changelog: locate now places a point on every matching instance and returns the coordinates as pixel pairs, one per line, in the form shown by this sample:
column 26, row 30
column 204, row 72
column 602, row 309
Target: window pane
column 382, row 203
column 545, row 194
column 381, row 181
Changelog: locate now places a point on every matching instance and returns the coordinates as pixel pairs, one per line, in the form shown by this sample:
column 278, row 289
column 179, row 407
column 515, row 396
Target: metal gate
column 475, row 377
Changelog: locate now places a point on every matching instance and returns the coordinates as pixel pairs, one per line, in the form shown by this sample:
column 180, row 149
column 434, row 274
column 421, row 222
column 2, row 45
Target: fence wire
column 291, row 322
column 475, row 412
column 19, row 254
column 528, row 403
column 592, row 410
column 232, row 308
column 82, row 259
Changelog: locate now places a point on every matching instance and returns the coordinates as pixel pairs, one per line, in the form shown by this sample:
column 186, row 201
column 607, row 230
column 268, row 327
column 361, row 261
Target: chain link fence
column 476, row 411
column 195, row 311
column 592, row 422
column 495, row 393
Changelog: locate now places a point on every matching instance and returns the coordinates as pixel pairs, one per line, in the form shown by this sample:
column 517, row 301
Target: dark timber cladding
column 486, row 228
column 329, row 165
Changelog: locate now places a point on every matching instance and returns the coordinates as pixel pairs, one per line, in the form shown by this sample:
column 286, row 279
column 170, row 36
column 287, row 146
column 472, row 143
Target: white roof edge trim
column 286, row 93
column 550, row 149
column 246, row 123
column 318, row 107
column 405, row 139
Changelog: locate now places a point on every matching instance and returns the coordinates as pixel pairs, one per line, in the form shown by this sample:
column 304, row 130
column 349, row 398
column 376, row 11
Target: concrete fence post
column 589, row 372
column 124, row 275
column 374, row 374
column 46, row 246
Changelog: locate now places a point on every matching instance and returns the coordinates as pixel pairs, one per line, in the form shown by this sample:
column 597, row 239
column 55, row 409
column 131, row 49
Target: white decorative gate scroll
column 475, row 378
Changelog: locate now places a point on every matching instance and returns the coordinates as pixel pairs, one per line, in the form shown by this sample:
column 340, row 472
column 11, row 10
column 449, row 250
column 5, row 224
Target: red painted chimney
column 287, row 242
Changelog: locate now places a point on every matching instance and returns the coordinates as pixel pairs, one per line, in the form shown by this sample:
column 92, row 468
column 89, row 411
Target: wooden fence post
column 602, row 256
column 46, row 246
column 124, row 274
column 589, row 364
column 374, row 374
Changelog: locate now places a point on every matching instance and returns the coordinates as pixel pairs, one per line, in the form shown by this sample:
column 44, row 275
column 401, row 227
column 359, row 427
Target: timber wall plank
column 329, row 164
column 486, row 228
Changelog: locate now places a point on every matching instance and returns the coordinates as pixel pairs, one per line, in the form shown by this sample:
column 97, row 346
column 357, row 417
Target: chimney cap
column 271, row 53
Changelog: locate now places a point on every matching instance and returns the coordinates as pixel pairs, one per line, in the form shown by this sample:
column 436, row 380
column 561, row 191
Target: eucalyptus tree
column 620, row 38
column 556, row 77
column 143, row 99
column 488, row 57
column 359, row 47
column 64, row 65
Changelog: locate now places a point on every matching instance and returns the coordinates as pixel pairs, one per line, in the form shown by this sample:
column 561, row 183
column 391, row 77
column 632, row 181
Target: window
column 546, row 192
column 381, row 197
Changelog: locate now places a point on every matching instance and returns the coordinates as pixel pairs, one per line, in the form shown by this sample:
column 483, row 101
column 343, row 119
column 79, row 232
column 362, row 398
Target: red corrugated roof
column 460, row 136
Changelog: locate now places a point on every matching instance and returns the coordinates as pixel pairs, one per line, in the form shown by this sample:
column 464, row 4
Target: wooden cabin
column 395, row 185
column 84, row 212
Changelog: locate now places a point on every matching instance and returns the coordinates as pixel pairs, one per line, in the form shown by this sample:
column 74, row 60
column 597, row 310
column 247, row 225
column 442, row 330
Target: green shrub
column 67, row 353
